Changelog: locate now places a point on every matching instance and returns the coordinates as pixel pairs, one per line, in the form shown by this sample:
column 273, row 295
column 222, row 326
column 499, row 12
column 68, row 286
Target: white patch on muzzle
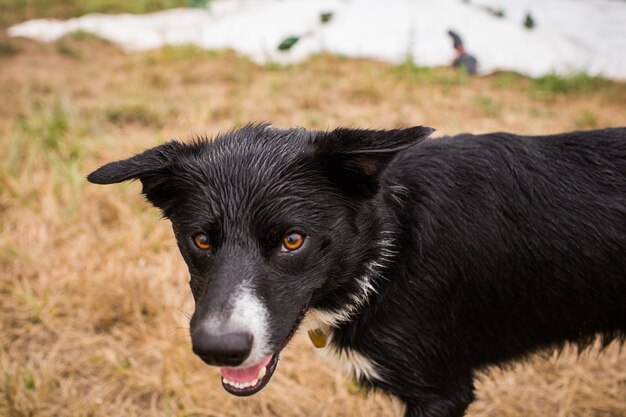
column 248, row 314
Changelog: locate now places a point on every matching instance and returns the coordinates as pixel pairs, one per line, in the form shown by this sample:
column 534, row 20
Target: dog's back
column 522, row 240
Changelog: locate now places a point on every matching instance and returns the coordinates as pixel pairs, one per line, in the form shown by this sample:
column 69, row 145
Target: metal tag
column 318, row 337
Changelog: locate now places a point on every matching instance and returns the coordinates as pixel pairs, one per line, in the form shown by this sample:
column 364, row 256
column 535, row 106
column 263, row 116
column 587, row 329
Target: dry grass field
column 94, row 302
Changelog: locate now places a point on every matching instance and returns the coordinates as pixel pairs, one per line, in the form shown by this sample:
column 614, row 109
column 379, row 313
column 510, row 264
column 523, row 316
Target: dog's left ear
column 152, row 168
column 354, row 158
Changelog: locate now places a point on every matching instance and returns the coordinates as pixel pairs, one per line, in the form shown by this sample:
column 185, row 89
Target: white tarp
column 570, row 35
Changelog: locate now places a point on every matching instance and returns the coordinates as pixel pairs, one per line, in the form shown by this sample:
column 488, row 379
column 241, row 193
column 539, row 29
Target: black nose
column 219, row 349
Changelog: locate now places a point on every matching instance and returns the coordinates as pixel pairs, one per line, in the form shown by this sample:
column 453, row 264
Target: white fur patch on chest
column 354, row 363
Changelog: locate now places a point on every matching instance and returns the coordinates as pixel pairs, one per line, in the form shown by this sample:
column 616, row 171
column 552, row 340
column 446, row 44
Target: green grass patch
column 78, row 44
column 29, row 302
column 8, row 47
column 540, row 112
column 133, row 114
column 507, row 79
column 181, row 53
column 64, row 48
column 410, row 72
column 274, row 66
column 29, row 382
column 587, row 120
column 576, row 84
column 488, row 106
column 81, row 35
column 48, row 135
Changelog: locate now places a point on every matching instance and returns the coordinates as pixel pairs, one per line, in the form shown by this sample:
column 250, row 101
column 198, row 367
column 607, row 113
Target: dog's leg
column 438, row 408
column 452, row 404
column 435, row 410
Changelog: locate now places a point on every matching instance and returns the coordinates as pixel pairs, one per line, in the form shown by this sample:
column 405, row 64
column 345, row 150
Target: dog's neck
column 330, row 330
column 368, row 285
column 371, row 281
column 333, row 330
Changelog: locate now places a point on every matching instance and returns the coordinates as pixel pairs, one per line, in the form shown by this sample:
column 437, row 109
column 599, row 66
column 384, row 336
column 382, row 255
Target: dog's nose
column 219, row 349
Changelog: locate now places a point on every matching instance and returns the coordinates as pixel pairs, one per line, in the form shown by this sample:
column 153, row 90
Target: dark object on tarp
column 326, row 17
column 456, row 39
column 529, row 22
column 287, row 43
column 462, row 59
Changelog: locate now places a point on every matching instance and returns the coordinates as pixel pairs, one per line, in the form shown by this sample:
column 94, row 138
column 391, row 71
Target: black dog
column 417, row 261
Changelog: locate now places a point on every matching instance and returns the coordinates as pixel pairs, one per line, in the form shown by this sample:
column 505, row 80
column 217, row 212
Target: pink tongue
column 245, row 374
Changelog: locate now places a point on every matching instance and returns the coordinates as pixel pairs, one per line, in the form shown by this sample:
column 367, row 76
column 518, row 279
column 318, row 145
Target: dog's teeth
column 240, row 385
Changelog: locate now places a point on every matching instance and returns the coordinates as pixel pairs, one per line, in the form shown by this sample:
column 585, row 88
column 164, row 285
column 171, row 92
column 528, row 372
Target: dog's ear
column 354, row 158
column 152, row 168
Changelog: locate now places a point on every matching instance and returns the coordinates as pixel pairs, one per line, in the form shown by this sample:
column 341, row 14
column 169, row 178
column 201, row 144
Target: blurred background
column 94, row 302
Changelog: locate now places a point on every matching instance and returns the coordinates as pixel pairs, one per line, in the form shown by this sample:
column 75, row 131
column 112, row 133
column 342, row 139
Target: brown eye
column 201, row 241
column 292, row 241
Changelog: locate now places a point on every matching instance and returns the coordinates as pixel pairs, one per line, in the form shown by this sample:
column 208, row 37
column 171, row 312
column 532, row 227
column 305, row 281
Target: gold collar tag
column 318, row 337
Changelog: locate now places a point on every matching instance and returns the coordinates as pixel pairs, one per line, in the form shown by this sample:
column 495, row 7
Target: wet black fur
column 503, row 244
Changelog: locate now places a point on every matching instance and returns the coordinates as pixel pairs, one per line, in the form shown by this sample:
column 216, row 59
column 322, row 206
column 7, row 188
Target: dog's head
column 271, row 223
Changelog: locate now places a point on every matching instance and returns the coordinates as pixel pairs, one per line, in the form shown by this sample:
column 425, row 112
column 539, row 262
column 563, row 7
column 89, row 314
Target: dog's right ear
column 152, row 168
column 355, row 158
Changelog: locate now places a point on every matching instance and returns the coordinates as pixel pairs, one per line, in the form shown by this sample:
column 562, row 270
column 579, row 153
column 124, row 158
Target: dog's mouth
column 252, row 379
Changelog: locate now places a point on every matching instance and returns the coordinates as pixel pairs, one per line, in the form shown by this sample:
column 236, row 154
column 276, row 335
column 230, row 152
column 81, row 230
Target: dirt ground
column 94, row 303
